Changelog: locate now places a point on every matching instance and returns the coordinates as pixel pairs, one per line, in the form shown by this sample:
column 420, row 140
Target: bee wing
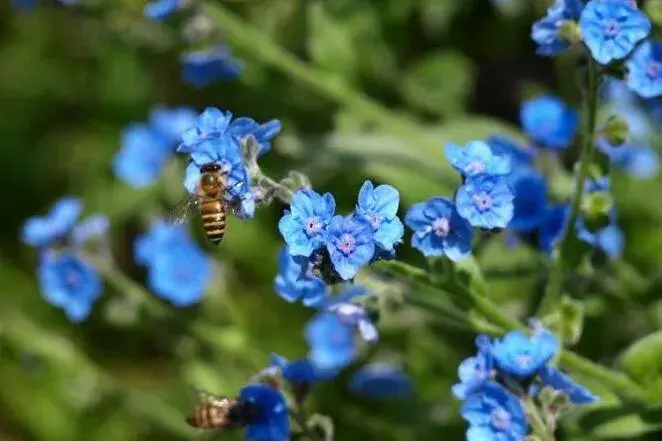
column 182, row 210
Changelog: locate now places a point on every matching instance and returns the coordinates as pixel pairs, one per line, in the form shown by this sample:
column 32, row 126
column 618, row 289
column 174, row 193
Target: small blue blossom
column 295, row 372
column 549, row 122
column 522, row 356
column 612, row 28
column 41, row 231
column 552, row 225
column 178, row 270
column 295, row 280
column 351, row 313
column 269, row 413
column 263, row 133
column 171, row 122
column 68, row 282
column 142, row 156
column 578, row 394
column 379, row 206
column 350, row 243
column 304, row 226
column 380, row 381
column 638, row 160
column 476, row 158
column 503, row 146
column 331, row 342
column 546, row 32
column 158, row 10
column 645, row 70
column 476, row 370
column 486, row 201
column 439, row 230
column 92, row 227
column 494, row 414
column 530, row 190
column 203, row 67
column 609, row 239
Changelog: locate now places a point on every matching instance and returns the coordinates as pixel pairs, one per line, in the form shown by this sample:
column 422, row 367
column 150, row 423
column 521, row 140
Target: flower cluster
column 484, row 200
column 340, row 244
column 504, row 373
column 177, row 269
column 66, row 279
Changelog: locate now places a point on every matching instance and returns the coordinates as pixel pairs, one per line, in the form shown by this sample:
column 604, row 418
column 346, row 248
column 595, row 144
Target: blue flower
column 476, row 370
column 142, row 156
column 356, row 316
column 530, row 190
column 645, row 70
column 552, row 225
column 350, row 243
column 295, row 372
column 41, row 231
column 177, row 269
column 503, row 146
column 639, row 160
column 546, row 32
column 578, row 394
column 68, row 282
column 476, row 158
column 522, row 356
column 92, row 227
column 26, row 5
column 379, row 206
column 295, row 280
column 304, row 226
column 331, row 342
column 609, row 239
column 380, row 381
column 486, row 201
column 612, row 28
column 549, row 122
column 201, row 68
column 171, row 123
column 263, row 133
column 494, row 414
column 161, row 9
column 269, row 414
column 439, row 230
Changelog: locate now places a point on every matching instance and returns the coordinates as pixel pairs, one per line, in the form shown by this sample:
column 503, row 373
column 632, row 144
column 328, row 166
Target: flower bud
column 596, row 208
column 616, row 130
column 569, row 31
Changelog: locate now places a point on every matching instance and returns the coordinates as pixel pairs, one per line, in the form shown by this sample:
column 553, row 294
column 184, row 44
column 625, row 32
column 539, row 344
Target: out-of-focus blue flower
column 263, row 133
column 476, row 370
column 503, row 146
column 494, row 414
column 612, row 28
column 161, row 9
column 522, row 356
column 639, row 160
column 530, row 190
column 546, row 32
column 356, row 316
column 476, row 158
column 379, row 206
column 142, row 156
column 439, row 230
column 486, row 201
column 552, row 226
column 27, row 5
column 177, row 268
column 578, row 394
column 609, row 239
column 201, row 68
column 617, row 92
column 549, row 122
column 645, row 70
column 295, row 372
column 270, row 419
column 68, row 282
column 304, row 226
column 331, row 342
column 380, row 381
column 295, row 280
column 171, row 122
column 91, row 227
column 350, row 243
column 41, row 231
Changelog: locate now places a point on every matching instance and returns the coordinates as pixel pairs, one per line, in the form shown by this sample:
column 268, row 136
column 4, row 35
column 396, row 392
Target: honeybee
column 210, row 199
column 218, row 412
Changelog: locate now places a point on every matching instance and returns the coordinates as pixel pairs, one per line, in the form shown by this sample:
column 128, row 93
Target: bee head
column 211, row 167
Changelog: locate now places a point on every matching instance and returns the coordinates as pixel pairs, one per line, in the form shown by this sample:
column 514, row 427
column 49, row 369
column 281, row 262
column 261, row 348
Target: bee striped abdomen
column 213, row 219
column 208, row 416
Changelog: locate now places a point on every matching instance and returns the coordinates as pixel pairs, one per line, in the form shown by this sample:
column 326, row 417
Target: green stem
column 540, row 429
column 555, row 284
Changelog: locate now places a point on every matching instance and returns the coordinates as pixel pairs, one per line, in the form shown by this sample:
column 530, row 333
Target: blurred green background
column 383, row 84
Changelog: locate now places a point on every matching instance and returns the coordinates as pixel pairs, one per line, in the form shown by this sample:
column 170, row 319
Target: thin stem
column 555, row 284
column 540, row 429
column 300, row 418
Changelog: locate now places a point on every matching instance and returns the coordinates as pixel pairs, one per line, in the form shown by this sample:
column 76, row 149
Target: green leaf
column 439, row 83
column 642, row 361
column 330, row 43
column 620, row 421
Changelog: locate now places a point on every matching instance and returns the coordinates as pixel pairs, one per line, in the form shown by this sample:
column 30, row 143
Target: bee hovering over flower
column 211, row 198
column 218, row 412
